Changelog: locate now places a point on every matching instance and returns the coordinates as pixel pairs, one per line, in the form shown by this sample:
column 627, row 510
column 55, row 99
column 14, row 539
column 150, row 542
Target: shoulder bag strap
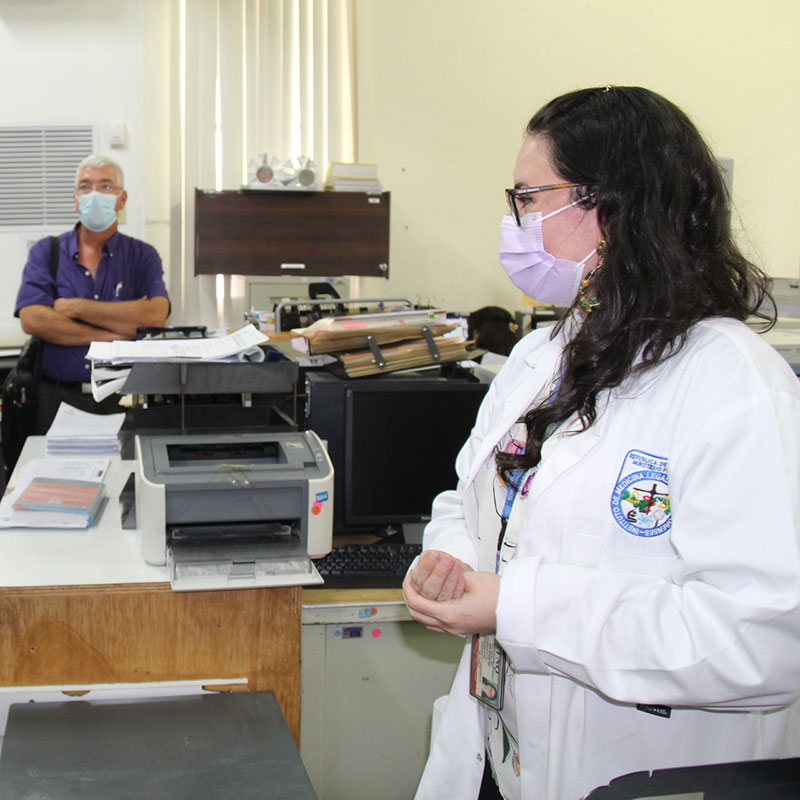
column 55, row 247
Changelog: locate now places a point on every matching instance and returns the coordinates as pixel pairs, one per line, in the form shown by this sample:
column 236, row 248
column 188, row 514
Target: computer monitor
column 393, row 441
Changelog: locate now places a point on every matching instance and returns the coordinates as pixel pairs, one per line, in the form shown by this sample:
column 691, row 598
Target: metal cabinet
column 369, row 679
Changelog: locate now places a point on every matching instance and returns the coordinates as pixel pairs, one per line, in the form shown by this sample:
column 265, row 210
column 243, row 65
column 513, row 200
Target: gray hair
column 98, row 162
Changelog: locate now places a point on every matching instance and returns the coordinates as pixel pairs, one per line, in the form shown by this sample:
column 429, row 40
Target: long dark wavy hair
column 670, row 259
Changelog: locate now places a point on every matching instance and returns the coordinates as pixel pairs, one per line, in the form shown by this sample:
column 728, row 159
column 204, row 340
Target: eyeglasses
column 517, row 197
column 104, row 187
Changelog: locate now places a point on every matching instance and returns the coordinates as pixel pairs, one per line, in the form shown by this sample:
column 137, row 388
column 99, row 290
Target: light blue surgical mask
column 97, row 210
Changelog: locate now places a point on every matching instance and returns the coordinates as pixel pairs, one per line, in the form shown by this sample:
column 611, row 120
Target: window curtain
column 254, row 76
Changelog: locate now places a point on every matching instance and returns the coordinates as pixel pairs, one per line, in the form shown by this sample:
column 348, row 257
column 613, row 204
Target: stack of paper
column 403, row 356
column 111, row 361
column 336, row 334
column 74, row 431
column 48, row 500
column 55, row 493
column 347, row 177
column 408, row 330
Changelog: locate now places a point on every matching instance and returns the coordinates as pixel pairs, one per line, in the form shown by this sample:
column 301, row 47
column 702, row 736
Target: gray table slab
column 195, row 747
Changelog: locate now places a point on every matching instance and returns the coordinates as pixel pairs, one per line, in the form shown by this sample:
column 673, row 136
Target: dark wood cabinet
column 260, row 232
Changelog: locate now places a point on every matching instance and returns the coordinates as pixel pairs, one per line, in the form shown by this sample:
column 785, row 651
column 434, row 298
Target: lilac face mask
column 531, row 268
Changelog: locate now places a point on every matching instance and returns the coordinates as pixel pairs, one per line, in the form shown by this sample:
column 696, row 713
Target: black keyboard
column 382, row 565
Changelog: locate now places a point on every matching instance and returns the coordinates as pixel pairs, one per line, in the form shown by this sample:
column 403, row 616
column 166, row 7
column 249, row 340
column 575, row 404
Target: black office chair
column 773, row 779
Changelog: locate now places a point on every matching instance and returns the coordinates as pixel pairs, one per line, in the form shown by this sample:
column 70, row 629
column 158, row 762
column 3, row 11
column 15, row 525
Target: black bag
column 21, row 389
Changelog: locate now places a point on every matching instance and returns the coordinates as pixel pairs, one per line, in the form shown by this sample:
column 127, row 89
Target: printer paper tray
column 210, row 582
column 229, row 571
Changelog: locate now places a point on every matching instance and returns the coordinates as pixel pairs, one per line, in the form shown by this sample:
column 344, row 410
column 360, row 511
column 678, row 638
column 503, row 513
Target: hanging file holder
column 428, row 336
column 380, row 360
column 421, row 352
column 376, row 351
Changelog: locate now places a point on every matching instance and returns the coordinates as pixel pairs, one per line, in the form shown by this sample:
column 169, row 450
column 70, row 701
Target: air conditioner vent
column 37, row 174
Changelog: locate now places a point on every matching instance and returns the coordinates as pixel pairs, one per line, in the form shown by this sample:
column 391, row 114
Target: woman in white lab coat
column 624, row 535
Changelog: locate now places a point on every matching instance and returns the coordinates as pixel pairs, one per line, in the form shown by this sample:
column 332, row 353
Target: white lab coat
column 703, row 616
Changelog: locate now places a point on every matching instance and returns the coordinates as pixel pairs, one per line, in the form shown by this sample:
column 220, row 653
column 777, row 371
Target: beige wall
column 446, row 87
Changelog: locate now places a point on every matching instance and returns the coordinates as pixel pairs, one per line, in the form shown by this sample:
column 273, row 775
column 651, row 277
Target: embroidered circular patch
column 640, row 500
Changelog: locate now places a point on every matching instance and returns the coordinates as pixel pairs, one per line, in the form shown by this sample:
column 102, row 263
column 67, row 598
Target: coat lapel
column 536, row 372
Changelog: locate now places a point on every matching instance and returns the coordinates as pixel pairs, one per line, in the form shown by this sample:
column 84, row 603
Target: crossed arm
column 72, row 321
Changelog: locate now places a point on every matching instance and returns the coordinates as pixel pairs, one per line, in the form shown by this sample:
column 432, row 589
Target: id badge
column 488, row 671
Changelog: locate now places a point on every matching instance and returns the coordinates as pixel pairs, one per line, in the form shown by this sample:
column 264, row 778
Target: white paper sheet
column 211, row 349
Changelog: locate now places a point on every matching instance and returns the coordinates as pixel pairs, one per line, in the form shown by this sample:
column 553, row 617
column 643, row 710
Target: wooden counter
column 82, row 607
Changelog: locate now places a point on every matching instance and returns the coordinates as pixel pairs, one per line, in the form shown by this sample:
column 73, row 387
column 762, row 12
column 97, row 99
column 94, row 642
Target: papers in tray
column 220, row 348
column 111, row 361
column 78, row 432
column 55, row 493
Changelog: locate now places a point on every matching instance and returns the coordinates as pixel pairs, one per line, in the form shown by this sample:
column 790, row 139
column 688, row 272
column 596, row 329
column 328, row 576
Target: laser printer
column 225, row 510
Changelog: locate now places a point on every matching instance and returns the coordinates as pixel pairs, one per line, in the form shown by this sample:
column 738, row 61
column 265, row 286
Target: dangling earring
column 589, row 303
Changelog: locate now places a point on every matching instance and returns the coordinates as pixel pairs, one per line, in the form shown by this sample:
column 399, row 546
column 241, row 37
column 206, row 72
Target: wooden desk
column 84, row 607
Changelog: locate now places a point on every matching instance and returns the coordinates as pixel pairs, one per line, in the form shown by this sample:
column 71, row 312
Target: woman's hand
column 439, row 576
column 470, row 610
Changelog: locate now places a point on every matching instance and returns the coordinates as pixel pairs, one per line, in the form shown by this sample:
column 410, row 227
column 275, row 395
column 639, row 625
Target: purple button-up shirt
column 129, row 270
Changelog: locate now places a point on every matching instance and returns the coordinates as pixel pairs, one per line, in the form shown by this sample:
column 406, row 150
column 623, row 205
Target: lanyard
column 514, row 485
